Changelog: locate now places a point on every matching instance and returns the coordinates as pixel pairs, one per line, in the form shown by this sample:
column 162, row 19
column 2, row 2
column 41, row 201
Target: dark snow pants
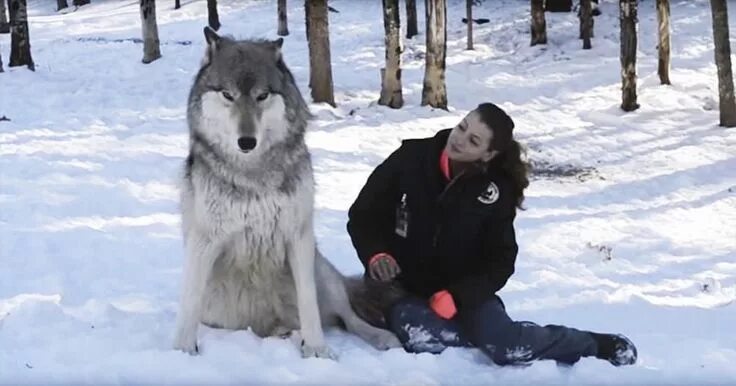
column 488, row 328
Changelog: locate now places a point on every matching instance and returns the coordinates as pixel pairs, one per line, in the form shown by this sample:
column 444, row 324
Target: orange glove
column 442, row 304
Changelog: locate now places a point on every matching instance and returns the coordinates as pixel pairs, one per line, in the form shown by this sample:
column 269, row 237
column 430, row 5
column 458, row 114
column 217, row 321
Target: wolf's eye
column 227, row 96
column 262, row 96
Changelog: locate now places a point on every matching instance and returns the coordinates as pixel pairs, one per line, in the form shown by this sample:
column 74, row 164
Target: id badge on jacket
column 402, row 218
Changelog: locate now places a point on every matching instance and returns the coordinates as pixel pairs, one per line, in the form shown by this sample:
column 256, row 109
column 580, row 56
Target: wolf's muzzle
column 246, row 144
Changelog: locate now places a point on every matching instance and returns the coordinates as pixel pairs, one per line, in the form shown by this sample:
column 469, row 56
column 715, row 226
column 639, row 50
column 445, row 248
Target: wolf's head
column 244, row 98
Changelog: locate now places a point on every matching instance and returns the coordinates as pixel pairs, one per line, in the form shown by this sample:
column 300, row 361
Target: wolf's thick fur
column 247, row 207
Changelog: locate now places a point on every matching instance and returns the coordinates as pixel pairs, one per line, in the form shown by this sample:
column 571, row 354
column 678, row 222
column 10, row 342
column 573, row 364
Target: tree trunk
column 391, row 95
column 283, row 25
column 177, row 4
column 1, row 60
column 558, row 5
column 4, row 26
column 213, row 18
column 80, row 3
column 539, row 25
column 60, row 4
column 320, row 62
column 434, row 92
column 469, row 16
column 411, row 19
column 586, row 23
column 151, row 47
column 727, row 104
column 628, row 16
column 20, row 39
column 663, row 20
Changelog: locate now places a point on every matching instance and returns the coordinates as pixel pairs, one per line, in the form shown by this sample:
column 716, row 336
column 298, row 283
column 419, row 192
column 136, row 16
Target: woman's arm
column 371, row 217
column 496, row 265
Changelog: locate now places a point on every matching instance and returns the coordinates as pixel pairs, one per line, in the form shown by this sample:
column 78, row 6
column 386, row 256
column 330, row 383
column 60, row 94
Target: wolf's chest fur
column 256, row 220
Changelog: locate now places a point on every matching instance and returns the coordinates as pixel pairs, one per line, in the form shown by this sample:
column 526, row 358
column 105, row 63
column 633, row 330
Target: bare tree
column 320, row 62
column 628, row 17
column 663, row 20
column 80, row 3
column 151, row 44
column 177, row 4
column 20, row 39
column 411, row 19
column 283, row 25
column 60, row 4
column 434, row 91
column 727, row 103
column 213, row 18
column 586, row 23
column 4, row 26
column 539, row 25
column 469, row 16
column 391, row 95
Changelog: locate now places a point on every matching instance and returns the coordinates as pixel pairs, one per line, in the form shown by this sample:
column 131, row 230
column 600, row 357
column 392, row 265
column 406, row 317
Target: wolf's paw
column 311, row 351
column 187, row 345
column 384, row 340
column 317, row 352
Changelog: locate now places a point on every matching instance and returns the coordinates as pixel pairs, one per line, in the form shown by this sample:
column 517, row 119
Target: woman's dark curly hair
column 509, row 149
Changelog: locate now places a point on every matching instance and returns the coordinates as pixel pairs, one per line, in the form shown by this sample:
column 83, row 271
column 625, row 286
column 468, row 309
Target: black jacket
column 460, row 235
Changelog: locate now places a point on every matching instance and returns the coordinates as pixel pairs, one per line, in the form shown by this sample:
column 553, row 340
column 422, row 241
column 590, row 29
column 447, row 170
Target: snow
column 642, row 242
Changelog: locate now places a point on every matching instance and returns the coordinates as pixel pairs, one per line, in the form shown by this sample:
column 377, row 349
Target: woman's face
column 470, row 140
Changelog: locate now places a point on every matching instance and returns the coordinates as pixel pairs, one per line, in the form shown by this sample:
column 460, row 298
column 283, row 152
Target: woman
column 437, row 216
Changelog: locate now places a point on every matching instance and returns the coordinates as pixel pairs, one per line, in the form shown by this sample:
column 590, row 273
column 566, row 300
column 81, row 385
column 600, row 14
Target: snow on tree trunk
column 283, row 25
column 727, row 104
column 80, row 3
column 469, row 17
column 586, row 23
column 151, row 46
column 177, row 4
column 663, row 20
column 434, row 92
column 391, row 95
column 411, row 19
column 20, row 40
column 213, row 18
column 539, row 25
column 628, row 17
column 60, row 4
column 320, row 62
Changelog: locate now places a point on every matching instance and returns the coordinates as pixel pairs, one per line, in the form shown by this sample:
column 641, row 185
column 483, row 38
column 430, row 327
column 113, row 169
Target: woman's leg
column 421, row 330
column 507, row 342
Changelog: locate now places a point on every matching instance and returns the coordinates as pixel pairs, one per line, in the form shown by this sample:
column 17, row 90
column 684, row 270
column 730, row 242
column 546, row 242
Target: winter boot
column 615, row 348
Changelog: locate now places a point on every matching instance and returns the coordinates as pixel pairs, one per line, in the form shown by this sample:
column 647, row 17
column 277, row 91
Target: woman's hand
column 383, row 267
column 443, row 304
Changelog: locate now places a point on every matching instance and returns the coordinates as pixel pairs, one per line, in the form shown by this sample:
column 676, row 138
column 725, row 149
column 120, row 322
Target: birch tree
column 628, row 18
column 320, row 62
column 391, row 94
column 151, row 44
column 727, row 104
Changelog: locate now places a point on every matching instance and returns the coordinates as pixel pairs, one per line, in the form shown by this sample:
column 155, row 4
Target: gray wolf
column 247, row 204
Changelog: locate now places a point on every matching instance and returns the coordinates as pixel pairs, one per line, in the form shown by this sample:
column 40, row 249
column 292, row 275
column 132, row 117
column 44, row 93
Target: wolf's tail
column 371, row 299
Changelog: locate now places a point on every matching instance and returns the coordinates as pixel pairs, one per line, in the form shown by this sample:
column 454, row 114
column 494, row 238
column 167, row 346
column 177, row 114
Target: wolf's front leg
column 301, row 259
column 201, row 255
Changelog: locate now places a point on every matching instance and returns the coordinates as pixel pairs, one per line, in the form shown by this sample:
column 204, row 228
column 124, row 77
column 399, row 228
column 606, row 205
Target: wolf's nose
column 246, row 143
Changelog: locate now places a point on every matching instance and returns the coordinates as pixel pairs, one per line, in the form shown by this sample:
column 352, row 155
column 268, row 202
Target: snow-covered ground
column 641, row 241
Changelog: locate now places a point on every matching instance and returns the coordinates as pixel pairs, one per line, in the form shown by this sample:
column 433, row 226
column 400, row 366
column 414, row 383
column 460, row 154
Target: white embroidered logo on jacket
column 490, row 195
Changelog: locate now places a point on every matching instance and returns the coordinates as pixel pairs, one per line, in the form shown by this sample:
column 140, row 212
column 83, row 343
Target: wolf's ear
column 276, row 45
column 213, row 43
column 211, row 36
